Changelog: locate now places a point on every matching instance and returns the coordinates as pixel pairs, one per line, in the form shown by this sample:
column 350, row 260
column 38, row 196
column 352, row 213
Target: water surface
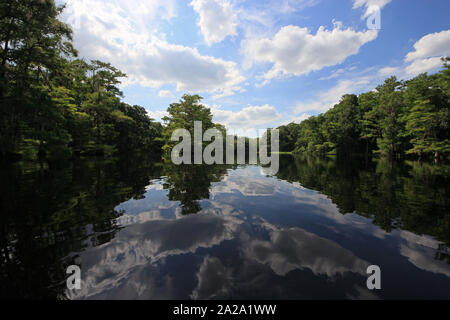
column 140, row 229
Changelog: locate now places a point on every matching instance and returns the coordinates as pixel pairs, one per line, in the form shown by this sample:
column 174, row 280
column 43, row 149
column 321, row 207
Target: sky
column 259, row 63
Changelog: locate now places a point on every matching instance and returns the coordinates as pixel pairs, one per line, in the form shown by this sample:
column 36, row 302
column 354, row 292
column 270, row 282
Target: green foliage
column 182, row 115
column 427, row 122
column 53, row 105
column 398, row 119
column 189, row 184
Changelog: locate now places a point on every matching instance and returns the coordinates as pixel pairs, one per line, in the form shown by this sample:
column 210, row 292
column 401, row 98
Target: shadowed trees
column 53, row 105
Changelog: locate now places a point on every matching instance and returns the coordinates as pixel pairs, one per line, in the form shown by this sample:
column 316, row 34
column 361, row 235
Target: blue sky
column 259, row 63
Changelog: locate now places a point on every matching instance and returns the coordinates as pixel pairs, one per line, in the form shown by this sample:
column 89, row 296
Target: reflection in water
column 142, row 248
column 48, row 215
column 410, row 196
column 191, row 183
column 145, row 230
column 290, row 249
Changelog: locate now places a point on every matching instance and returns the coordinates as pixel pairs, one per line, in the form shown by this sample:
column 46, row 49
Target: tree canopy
column 54, row 105
column 397, row 119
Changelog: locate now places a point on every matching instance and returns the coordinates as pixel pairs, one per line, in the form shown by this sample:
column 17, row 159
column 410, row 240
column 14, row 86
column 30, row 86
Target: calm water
column 140, row 229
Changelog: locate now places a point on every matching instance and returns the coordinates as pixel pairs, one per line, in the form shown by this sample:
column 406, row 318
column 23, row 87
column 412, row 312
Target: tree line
column 396, row 120
column 54, row 105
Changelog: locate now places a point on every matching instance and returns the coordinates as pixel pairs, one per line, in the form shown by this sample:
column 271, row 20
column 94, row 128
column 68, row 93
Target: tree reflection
column 48, row 213
column 189, row 184
column 412, row 196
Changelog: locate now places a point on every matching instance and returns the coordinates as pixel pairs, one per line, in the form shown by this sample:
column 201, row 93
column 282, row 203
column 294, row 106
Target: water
column 140, row 229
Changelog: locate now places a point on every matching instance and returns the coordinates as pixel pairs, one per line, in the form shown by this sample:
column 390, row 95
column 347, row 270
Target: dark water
column 140, row 229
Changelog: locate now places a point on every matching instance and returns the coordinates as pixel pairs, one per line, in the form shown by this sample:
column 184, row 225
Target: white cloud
column 369, row 5
column 437, row 44
column 248, row 117
column 432, row 45
column 165, row 94
column 124, row 34
column 426, row 56
column 217, row 19
column 327, row 99
column 119, row 17
column 160, row 62
column 428, row 51
column 423, row 65
column 295, row 51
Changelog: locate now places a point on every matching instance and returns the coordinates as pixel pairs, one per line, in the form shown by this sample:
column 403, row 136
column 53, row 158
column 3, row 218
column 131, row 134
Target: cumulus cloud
column 431, row 45
column 161, row 62
column 217, row 20
column 427, row 53
column 296, row 51
column 249, row 116
column 370, row 5
column 136, row 12
column 426, row 56
column 125, row 35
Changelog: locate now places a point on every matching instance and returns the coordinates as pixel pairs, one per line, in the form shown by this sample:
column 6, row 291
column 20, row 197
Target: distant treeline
column 398, row 119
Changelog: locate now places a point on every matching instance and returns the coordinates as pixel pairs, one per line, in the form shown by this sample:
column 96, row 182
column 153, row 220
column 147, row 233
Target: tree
column 398, row 118
column 391, row 107
column 369, row 119
column 34, row 44
column 342, row 125
column 427, row 120
column 139, row 132
column 182, row 115
column 288, row 137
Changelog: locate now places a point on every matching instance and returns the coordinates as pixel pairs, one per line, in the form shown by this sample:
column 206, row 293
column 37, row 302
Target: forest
column 54, row 105
column 396, row 120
